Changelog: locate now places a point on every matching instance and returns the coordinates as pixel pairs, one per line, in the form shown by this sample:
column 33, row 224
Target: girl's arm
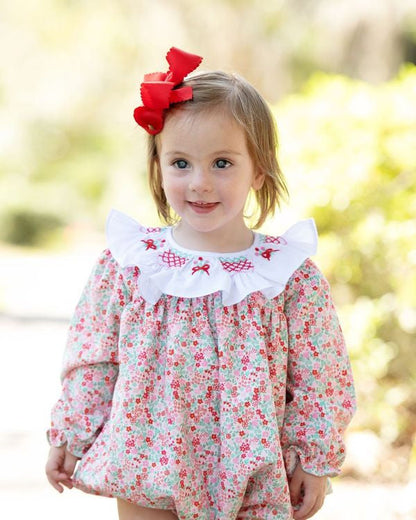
column 320, row 382
column 90, row 367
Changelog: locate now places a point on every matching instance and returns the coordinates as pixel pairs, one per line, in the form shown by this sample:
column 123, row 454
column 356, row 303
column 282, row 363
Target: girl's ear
column 258, row 180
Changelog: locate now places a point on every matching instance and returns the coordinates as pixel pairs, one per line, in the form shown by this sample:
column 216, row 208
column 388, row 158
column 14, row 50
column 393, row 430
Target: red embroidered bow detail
column 157, row 90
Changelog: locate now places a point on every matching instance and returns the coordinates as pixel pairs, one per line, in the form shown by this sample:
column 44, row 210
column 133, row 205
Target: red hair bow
column 157, row 90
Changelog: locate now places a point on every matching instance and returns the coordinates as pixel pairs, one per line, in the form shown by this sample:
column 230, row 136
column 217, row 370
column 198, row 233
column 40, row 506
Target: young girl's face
column 207, row 173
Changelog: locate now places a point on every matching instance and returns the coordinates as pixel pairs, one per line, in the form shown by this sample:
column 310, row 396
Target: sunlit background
column 340, row 76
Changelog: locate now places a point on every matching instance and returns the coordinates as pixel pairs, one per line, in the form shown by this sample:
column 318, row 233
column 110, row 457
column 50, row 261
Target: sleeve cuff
column 292, row 459
column 295, row 455
column 56, row 437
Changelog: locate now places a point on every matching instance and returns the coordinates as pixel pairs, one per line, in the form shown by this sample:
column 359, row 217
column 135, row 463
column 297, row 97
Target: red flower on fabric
column 158, row 93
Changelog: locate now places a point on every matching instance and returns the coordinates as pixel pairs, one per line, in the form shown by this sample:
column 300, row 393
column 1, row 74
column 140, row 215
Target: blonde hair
column 249, row 109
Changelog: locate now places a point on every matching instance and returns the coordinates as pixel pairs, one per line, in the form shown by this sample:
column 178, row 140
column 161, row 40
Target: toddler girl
column 205, row 375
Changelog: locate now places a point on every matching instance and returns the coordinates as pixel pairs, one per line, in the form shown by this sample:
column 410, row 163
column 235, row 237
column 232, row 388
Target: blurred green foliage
column 29, row 227
column 65, row 173
column 349, row 150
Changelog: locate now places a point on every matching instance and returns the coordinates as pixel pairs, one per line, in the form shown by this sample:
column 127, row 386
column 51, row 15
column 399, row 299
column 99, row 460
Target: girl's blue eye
column 222, row 163
column 181, row 164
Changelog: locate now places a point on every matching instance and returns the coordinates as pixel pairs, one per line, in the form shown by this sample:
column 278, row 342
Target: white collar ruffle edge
column 167, row 268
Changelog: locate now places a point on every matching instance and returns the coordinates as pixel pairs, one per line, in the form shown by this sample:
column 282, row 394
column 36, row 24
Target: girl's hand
column 60, row 468
column 308, row 492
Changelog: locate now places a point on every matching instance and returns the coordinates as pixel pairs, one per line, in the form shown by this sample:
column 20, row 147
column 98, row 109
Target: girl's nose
column 200, row 180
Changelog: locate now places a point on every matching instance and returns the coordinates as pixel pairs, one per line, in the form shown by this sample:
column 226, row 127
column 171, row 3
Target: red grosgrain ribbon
column 157, row 90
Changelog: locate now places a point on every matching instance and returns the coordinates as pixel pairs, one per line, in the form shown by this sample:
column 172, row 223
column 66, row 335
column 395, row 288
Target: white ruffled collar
column 167, row 268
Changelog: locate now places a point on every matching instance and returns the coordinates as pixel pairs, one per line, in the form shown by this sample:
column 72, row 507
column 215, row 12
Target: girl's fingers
column 68, row 484
column 295, row 496
column 60, row 468
column 319, row 504
column 56, row 486
column 310, row 505
column 55, row 483
column 295, row 488
column 66, row 481
column 57, row 479
column 307, row 491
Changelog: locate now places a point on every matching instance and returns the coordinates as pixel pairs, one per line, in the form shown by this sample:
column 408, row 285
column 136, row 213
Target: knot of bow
column 158, row 89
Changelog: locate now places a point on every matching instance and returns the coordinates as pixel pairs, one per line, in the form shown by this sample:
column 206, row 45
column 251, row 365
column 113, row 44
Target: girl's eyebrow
column 216, row 153
column 227, row 152
column 174, row 152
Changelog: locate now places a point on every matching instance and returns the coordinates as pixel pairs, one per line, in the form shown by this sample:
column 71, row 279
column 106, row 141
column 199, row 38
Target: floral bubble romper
column 196, row 381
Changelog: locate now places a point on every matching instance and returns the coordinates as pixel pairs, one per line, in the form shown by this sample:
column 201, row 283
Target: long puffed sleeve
column 90, row 365
column 320, row 385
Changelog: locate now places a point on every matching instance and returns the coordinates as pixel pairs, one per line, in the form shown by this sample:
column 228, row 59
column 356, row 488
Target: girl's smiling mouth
column 202, row 207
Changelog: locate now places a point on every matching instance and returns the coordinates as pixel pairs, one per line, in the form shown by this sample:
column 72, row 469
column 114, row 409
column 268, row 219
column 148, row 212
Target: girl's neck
column 215, row 242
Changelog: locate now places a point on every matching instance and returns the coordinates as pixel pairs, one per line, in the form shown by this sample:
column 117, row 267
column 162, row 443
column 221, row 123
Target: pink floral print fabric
column 190, row 405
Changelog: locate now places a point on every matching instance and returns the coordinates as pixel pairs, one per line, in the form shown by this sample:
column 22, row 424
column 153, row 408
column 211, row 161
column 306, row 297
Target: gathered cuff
column 293, row 456
column 77, row 447
column 56, row 437
column 312, row 461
